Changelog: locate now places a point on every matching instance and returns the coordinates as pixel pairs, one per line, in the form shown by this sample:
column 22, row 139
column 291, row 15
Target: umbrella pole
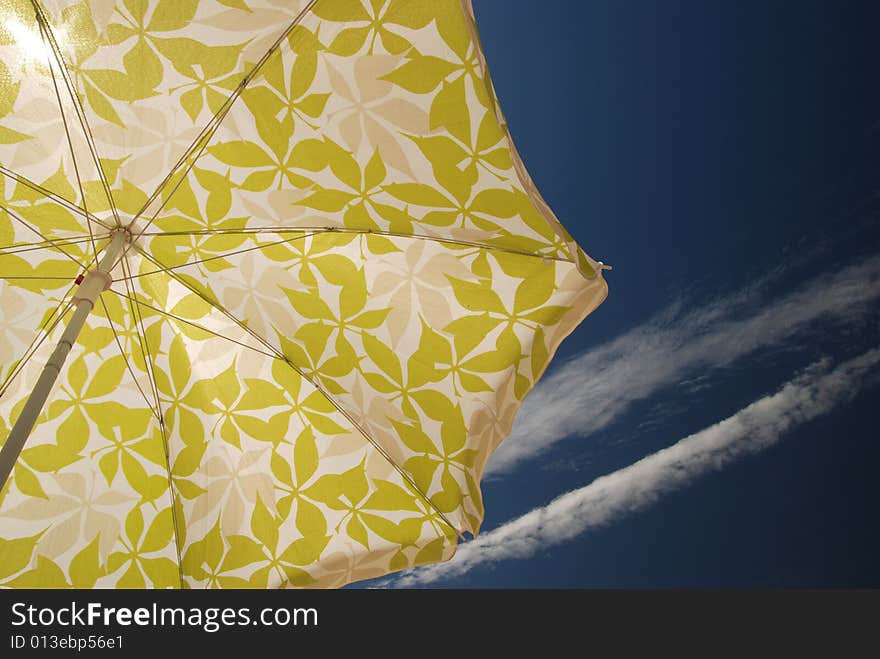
column 95, row 282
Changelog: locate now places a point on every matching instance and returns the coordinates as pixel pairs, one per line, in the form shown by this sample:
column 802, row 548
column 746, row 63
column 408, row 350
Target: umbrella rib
column 240, row 230
column 219, row 256
column 125, row 358
column 77, row 106
column 53, row 243
column 21, row 248
column 174, row 520
column 197, row 155
column 212, row 303
column 48, row 194
column 339, row 406
column 45, row 333
column 42, row 334
column 193, row 324
column 366, row 435
column 148, row 361
column 32, row 278
column 214, row 123
column 69, row 138
column 139, row 329
column 379, row 232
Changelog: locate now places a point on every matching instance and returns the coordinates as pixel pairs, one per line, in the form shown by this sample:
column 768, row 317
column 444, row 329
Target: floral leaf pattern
column 341, row 287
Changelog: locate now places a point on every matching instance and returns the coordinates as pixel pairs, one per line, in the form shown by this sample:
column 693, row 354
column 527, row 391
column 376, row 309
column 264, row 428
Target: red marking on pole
column 79, row 279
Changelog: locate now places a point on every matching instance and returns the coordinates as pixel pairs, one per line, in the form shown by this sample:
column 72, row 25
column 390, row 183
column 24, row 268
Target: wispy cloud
column 752, row 429
column 592, row 390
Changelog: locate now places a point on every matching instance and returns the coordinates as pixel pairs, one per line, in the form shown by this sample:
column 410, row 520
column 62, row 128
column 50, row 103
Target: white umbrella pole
column 95, row 282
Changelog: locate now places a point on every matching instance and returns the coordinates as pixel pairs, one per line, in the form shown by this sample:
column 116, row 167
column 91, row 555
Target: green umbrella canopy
column 330, row 283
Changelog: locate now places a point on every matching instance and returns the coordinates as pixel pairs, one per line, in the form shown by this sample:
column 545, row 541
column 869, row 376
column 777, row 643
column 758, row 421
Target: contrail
column 763, row 423
column 596, row 388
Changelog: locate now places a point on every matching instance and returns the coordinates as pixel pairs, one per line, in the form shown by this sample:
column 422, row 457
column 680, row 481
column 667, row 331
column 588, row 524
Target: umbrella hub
column 99, row 280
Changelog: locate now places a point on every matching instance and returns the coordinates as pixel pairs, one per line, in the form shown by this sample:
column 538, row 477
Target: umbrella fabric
column 340, row 287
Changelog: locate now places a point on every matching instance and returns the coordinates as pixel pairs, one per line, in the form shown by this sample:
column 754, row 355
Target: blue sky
column 724, row 158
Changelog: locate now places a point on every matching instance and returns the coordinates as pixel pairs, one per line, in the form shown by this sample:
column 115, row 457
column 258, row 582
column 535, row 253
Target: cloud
column 590, row 391
column 752, row 429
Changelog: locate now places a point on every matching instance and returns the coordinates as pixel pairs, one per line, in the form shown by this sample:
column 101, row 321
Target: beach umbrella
column 273, row 285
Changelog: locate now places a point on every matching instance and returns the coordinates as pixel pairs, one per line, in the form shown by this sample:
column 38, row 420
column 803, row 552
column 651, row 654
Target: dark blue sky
column 699, row 147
